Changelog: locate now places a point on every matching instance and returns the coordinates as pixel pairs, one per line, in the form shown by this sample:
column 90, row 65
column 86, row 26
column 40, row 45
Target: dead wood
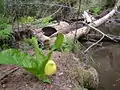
column 63, row 27
column 8, row 71
column 84, row 30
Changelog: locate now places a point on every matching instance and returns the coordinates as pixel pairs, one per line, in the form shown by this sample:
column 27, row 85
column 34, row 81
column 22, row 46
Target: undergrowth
column 27, row 20
column 5, row 28
column 5, row 32
column 69, row 46
column 95, row 10
column 42, row 22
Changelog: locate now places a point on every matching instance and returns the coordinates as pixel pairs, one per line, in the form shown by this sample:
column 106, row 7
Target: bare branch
column 100, row 32
column 94, row 44
column 87, row 17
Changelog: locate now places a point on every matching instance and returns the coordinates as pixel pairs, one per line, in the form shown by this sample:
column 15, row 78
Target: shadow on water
column 107, row 61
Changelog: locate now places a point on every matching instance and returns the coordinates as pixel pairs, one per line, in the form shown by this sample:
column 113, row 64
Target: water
column 107, row 61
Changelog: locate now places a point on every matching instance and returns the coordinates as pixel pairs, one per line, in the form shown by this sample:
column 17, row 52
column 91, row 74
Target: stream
column 107, row 63
column 107, row 60
column 107, row 57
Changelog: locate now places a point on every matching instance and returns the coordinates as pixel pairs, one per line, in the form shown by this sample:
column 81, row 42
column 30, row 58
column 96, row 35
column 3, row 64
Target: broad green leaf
column 58, row 41
column 38, row 51
column 15, row 57
column 34, row 71
column 35, row 65
column 39, row 71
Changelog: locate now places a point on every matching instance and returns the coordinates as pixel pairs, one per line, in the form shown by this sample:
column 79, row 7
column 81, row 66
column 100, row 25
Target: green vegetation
column 68, row 45
column 95, row 10
column 5, row 32
column 34, row 64
column 44, row 21
column 27, row 20
column 25, row 45
column 5, row 28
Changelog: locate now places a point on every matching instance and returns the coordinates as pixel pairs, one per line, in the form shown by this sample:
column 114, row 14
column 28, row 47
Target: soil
column 64, row 79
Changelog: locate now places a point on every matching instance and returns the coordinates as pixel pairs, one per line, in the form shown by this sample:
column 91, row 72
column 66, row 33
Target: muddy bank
column 71, row 75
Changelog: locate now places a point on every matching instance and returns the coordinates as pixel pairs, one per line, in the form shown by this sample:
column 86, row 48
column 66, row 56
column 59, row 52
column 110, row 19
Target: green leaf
column 38, row 51
column 36, row 64
column 35, row 71
column 44, row 78
column 96, row 10
column 47, row 80
column 15, row 57
column 46, row 59
column 39, row 71
column 41, row 60
column 58, row 42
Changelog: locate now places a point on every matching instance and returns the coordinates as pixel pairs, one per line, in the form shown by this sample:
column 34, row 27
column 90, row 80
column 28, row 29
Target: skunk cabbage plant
column 39, row 64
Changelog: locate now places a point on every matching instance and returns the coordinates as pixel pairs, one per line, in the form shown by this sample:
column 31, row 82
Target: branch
column 110, row 14
column 84, row 30
column 101, row 32
column 98, row 40
column 87, row 17
column 99, row 22
column 94, row 44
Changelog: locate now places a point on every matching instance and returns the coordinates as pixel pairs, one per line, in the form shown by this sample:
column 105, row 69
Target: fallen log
column 84, row 30
column 64, row 28
column 61, row 27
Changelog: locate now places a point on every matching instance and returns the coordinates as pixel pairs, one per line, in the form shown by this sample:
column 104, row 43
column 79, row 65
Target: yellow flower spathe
column 50, row 68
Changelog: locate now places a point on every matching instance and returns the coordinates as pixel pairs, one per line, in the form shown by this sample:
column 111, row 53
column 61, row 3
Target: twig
column 101, row 32
column 98, row 40
column 94, row 44
column 9, row 72
column 56, row 11
column 46, row 11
